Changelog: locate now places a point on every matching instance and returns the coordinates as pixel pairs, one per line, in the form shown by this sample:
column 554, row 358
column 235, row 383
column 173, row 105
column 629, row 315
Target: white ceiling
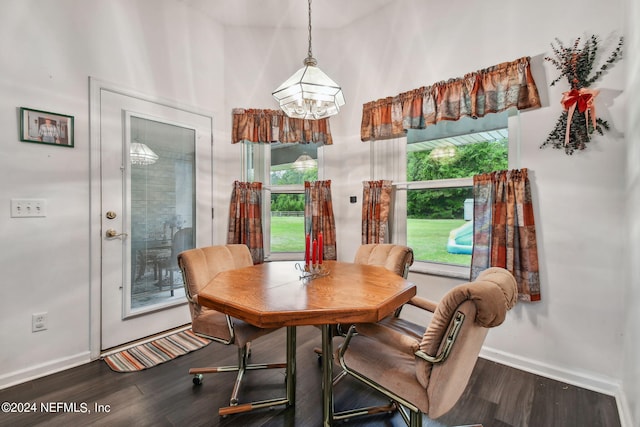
column 286, row 13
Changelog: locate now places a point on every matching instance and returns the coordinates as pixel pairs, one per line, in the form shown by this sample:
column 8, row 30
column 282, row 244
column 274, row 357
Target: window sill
column 285, row 256
column 445, row 270
column 419, row 267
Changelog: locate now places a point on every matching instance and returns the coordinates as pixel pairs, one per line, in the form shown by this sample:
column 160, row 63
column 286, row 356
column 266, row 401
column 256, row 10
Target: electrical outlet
column 25, row 208
column 39, row 321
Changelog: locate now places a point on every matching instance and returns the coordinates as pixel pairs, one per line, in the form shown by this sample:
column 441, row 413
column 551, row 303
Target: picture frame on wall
column 45, row 127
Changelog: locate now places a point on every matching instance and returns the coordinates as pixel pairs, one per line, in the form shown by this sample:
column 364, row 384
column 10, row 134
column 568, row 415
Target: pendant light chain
column 309, row 53
column 310, row 60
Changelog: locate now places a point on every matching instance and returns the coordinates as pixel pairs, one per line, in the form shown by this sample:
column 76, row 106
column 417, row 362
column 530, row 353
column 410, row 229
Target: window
column 439, row 199
column 283, row 169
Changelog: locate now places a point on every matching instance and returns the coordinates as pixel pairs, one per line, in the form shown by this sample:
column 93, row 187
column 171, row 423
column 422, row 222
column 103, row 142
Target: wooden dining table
column 277, row 294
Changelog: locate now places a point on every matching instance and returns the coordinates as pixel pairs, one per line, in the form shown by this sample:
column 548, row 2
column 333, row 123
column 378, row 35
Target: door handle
column 112, row 234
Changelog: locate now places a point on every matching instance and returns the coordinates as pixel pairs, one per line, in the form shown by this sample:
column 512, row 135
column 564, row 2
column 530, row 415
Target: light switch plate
column 28, row 208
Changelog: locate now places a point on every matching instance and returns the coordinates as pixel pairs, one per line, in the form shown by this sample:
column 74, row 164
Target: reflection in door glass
column 162, row 197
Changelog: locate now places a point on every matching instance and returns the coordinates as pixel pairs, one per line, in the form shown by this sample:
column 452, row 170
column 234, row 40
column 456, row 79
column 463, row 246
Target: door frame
column 95, row 220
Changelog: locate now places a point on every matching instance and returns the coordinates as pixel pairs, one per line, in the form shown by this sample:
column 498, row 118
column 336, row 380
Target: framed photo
column 44, row 127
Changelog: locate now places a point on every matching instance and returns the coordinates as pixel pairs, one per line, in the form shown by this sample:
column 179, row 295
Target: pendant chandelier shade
column 309, row 93
column 141, row 154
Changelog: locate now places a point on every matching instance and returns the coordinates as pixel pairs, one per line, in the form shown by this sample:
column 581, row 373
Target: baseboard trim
column 626, row 420
column 33, row 372
column 599, row 384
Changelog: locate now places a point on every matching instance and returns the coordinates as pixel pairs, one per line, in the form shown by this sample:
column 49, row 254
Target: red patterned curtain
column 504, row 232
column 318, row 215
column 245, row 218
column 376, row 204
column 491, row 90
column 273, row 125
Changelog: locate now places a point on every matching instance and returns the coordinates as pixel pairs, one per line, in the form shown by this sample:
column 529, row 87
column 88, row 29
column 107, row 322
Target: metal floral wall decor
column 578, row 120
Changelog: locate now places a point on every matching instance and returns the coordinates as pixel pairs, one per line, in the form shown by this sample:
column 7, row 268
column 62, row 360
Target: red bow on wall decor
column 583, row 99
column 572, row 131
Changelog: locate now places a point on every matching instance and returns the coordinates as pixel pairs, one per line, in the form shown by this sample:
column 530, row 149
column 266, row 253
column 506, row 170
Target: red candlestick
column 320, row 248
column 314, row 252
column 307, row 248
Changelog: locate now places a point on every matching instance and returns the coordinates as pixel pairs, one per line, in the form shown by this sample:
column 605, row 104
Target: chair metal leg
column 338, row 377
column 416, row 419
column 369, row 410
column 242, row 366
column 290, row 366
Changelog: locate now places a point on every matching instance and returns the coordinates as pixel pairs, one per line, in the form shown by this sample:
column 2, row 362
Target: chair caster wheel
column 197, row 379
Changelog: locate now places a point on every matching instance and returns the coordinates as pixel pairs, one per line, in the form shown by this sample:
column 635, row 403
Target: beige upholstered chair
column 427, row 373
column 396, row 258
column 198, row 267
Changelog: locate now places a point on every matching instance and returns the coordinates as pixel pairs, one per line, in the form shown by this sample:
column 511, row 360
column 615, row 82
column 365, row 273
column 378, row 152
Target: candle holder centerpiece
column 313, row 256
column 310, row 272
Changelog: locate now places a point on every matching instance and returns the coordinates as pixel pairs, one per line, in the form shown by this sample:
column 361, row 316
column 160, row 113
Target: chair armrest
column 388, row 337
column 419, row 302
column 449, row 340
column 423, row 303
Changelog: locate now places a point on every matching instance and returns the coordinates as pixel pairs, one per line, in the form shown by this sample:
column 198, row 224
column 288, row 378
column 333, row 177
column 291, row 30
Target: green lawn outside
column 427, row 238
column 287, row 234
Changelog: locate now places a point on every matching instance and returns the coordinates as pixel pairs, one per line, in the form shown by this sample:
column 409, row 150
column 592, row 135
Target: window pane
column 450, row 161
column 287, row 222
column 293, row 163
column 440, row 220
column 440, row 225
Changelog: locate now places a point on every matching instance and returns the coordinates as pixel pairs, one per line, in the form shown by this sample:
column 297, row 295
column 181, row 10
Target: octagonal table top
column 273, row 294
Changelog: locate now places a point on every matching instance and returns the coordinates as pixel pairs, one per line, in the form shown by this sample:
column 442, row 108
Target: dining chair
column 396, row 258
column 427, row 374
column 199, row 266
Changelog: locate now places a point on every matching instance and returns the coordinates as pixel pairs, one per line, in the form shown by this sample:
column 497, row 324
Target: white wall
column 48, row 49
column 631, row 364
column 580, row 203
column 579, row 198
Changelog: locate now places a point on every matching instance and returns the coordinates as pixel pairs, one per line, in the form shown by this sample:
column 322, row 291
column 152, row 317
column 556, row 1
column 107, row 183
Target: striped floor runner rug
column 150, row 354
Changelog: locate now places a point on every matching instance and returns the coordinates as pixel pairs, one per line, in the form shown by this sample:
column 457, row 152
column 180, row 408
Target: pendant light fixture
column 309, row 93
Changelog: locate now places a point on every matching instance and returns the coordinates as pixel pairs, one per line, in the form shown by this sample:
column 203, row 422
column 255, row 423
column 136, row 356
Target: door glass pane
column 162, row 210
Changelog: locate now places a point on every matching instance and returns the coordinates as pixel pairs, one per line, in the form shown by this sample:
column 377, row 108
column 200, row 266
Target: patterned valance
column 491, row 90
column 273, row 125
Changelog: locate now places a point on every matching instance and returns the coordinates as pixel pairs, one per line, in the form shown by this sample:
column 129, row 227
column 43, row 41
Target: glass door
column 155, row 164
column 162, row 197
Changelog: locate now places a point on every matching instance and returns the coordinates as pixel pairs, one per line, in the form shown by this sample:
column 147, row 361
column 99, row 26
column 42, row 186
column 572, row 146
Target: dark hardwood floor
column 497, row 396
